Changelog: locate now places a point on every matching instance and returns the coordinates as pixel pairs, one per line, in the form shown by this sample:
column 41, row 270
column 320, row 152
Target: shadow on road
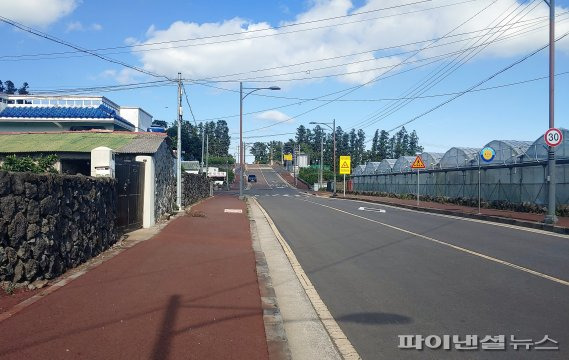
column 375, row 318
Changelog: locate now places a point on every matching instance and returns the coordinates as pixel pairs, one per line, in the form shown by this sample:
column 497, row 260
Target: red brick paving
column 190, row 292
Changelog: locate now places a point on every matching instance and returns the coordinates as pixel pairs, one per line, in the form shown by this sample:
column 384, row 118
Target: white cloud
column 78, row 26
column 124, row 76
column 220, row 57
column 75, row 26
column 274, row 115
column 37, row 12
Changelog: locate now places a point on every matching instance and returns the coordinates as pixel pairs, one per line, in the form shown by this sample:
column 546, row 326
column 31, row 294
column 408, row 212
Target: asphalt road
column 385, row 272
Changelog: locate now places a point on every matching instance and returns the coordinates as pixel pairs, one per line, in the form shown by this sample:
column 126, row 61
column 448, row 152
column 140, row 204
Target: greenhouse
column 517, row 174
column 537, row 151
column 507, row 151
column 431, row 159
column 459, row 157
column 371, row 167
column 359, row 170
column 386, row 166
column 403, row 164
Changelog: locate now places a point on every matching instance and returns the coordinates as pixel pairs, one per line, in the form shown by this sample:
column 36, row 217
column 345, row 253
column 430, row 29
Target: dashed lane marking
column 459, row 248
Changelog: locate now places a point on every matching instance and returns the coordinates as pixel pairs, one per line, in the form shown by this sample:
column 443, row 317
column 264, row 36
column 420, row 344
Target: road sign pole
column 344, row 185
column 478, row 185
column 417, row 186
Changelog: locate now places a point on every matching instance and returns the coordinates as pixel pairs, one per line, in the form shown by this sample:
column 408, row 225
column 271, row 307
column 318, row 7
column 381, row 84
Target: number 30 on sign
column 553, row 137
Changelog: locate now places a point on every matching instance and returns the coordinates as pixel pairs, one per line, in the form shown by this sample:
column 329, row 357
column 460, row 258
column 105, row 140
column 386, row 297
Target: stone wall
column 165, row 179
column 50, row 223
column 194, row 188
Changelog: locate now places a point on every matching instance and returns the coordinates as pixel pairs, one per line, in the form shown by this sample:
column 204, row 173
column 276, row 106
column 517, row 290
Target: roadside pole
column 479, row 184
column 417, row 186
column 344, row 185
column 418, row 164
column 179, row 147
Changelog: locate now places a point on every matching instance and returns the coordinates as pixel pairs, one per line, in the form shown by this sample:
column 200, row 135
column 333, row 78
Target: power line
column 68, row 44
column 378, row 77
column 256, row 30
column 438, row 75
column 189, row 106
column 477, row 84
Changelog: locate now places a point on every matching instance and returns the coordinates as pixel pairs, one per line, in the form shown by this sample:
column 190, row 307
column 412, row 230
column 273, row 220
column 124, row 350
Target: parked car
column 252, row 178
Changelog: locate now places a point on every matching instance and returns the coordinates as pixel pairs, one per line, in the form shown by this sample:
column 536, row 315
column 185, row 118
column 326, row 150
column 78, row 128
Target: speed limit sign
column 553, row 137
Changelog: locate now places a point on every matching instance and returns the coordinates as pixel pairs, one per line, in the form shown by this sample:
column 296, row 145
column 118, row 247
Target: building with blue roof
column 47, row 113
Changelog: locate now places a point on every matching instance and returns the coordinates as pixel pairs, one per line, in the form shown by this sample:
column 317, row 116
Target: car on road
column 252, row 178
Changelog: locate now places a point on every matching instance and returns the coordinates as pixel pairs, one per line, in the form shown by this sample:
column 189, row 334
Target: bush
column 42, row 164
column 310, row 175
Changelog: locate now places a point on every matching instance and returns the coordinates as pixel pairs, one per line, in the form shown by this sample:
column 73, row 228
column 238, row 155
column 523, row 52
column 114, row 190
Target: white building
column 47, row 113
column 136, row 116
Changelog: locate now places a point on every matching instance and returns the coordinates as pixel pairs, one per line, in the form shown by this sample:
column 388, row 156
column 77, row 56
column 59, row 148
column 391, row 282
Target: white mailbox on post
column 102, row 162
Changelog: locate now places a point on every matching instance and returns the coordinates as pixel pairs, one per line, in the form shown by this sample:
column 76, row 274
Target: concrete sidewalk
column 189, row 292
column 503, row 216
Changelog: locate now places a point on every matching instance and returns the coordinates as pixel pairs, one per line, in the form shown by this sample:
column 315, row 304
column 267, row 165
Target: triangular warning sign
column 418, row 163
column 345, row 165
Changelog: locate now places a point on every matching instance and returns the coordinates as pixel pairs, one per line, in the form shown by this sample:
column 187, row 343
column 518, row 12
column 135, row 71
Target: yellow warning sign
column 288, row 157
column 345, row 167
column 418, row 163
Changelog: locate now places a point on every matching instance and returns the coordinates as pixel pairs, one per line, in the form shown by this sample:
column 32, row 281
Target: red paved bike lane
column 190, row 292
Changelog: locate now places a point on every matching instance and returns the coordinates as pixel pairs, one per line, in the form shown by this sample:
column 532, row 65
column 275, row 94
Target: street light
column 550, row 218
column 241, row 150
column 333, row 128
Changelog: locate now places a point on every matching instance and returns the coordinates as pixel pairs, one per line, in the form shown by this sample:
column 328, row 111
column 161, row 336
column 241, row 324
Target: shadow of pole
column 162, row 345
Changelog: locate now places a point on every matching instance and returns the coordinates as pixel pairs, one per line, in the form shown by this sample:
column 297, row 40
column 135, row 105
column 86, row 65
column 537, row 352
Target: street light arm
column 255, row 89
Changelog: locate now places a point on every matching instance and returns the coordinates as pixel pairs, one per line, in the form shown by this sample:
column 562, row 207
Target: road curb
column 490, row 218
column 277, row 342
column 339, row 339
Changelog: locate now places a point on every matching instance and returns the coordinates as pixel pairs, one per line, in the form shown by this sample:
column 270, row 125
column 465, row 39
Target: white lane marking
column 285, row 195
column 233, row 211
column 338, row 337
column 261, row 169
column 371, row 209
column 515, row 227
column 471, row 252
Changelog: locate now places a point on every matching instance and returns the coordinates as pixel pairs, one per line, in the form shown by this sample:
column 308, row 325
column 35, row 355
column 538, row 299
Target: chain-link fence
column 515, row 183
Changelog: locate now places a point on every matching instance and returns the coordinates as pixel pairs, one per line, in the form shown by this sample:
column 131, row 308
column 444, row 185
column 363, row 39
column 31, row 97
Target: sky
column 459, row 72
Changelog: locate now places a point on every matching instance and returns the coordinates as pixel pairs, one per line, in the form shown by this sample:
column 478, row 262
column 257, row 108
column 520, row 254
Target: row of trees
column 217, row 132
column 8, row 87
column 352, row 142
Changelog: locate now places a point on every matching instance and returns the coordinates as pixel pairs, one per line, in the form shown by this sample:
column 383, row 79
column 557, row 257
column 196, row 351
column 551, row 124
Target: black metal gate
column 130, row 178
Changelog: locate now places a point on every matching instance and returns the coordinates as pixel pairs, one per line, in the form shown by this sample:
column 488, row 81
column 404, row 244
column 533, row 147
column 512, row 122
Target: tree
column 259, row 150
column 10, row 88
column 1, row 86
column 161, row 123
column 414, row 146
column 24, row 89
column 383, row 151
column 222, row 138
column 374, row 146
column 301, row 134
column 359, row 147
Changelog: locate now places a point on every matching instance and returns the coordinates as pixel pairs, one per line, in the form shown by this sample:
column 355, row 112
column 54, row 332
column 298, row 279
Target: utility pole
column 321, row 160
column 334, row 136
column 179, row 147
column 551, row 218
column 271, row 152
column 203, row 138
column 207, row 156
